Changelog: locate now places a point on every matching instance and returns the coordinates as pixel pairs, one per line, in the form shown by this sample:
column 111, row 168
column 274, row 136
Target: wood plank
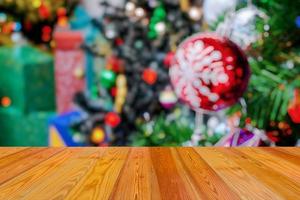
column 209, row 183
column 235, row 177
column 17, row 187
column 139, row 174
column 169, row 179
column 150, row 173
column 191, row 187
column 278, row 164
column 284, row 155
column 20, row 166
column 99, row 181
column 261, row 172
column 59, row 183
column 15, row 157
column 290, row 150
column 4, row 151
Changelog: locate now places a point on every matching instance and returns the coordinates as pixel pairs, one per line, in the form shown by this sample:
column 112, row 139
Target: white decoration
column 139, row 12
column 195, row 13
column 213, row 122
column 240, row 26
column 129, row 6
column 213, row 9
column 160, row 27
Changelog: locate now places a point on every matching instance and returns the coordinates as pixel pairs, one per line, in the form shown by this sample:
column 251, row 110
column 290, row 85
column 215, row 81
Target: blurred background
column 149, row 73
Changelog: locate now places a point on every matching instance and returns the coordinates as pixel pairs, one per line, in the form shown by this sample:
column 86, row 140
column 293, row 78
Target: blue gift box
column 60, row 133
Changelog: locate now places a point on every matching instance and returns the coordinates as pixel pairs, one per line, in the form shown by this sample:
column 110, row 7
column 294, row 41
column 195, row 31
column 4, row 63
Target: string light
column 160, row 28
column 195, row 13
column 139, row 12
column 130, row 7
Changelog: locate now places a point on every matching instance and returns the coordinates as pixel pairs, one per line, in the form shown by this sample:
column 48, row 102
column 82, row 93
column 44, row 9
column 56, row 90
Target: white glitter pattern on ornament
column 197, row 66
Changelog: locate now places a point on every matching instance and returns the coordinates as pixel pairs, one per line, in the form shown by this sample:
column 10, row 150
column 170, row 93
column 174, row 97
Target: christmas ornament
column 139, row 12
column 129, row 7
column 107, row 78
column 167, row 98
column 243, row 138
column 240, row 26
column 294, row 114
column 78, row 138
column 149, row 76
column 115, row 64
column 61, row 12
column 160, row 28
column 280, row 134
column 98, row 135
column 157, row 25
column 209, row 72
column 168, row 59
column 214, row 9
column 5, row 101
column 294, row 109
column 121, row 93
column 113, row 91
column 112, row 119
column 110, row 31
column 44, row 11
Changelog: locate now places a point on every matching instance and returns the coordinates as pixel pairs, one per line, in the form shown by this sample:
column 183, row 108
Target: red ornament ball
column 112, row 119
column 149, row 76
column 5, row 101
column 44, row 11
column 61, row 12
column 294, row 108
column 169, row 59
column 46, row 30
column 209, row 72
column 113, row 91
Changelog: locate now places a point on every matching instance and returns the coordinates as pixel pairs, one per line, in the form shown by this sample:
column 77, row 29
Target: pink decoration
column 69, row 68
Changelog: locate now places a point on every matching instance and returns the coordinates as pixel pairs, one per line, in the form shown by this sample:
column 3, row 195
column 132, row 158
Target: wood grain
column 232, row 173
column 7, row 151
column 150, row 173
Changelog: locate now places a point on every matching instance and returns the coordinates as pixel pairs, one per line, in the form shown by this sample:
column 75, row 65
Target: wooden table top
column 150, row 173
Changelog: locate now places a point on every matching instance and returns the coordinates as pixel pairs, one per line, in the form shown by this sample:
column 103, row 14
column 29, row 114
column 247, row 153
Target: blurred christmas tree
column 33, row 18
column 273, row 94
column 133, row 92
column 143, row 36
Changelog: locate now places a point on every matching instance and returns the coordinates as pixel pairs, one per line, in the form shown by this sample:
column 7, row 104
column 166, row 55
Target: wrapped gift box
column 69, row 68
column 60, row 133
column 18, row 129
column 27, row 78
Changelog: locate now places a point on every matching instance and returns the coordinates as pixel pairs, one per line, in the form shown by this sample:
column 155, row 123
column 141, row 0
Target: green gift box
column 17, row 129
column 27, row 78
